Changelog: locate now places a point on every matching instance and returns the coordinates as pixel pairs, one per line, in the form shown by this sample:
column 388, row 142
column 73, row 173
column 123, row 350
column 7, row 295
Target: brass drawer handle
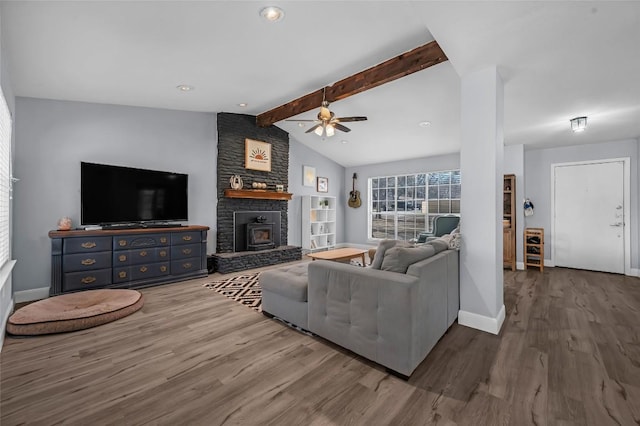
column 163, row 253
column 122, row 274
column 163, row 240
column 143, row 253
column 122, row 243
column 88, row 245
column 88, row 280
column 186, row 238
column 87, row 262
column 186, row 251
column 163, row 269
column 143, row 269
column 122, row 258
column 186, row 265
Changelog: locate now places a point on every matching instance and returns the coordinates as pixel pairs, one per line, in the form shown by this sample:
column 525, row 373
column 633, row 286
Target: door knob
column 617, row 224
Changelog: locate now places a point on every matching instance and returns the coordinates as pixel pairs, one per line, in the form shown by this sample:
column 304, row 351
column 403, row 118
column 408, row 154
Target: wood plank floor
column 568, row 354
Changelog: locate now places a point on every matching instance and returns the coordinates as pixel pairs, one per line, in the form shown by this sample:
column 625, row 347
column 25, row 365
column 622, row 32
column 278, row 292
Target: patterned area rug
column 241, row 288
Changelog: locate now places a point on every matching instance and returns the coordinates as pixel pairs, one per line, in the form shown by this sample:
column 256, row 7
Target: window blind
column 5, row 178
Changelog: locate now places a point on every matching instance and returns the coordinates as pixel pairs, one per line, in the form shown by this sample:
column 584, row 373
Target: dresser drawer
column 87, row 279
column 86, row 261
column 184, row 251
column 135, row 257
column 185, row 238
column 185, row 266
column 140, row 272
column 132, row 241
column 86, row 244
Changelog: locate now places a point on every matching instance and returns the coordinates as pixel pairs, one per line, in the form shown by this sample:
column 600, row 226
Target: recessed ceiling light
column 300, row 124
column 243, row 104
column 424, row 124
column 272, row 13
column 343, row 141
column 184, row 87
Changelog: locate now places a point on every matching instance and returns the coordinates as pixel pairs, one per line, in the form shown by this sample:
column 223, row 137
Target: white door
column 589, row 216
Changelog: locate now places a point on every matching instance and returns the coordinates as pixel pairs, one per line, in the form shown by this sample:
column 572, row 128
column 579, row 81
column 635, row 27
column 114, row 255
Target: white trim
column 5, row 272
column 3, row 328
column 520, row 266
column 482, row 323
column 627, row 206
column 634, row 272
column 6, row 303
column 30, row 295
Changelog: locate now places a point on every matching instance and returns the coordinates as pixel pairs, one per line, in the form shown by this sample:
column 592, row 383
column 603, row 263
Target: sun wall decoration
column 257, row 155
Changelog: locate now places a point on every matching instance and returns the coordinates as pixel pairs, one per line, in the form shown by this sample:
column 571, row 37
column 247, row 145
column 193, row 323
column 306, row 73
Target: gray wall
column 538, row 183
column 300, row 155
column 356, row 219
column 53, row 137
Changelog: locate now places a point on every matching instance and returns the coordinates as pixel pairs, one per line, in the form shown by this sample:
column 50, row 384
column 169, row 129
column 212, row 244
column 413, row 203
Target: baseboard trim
column 633, row 272
column 482, row 323
column 29, row 295
column 520, row 266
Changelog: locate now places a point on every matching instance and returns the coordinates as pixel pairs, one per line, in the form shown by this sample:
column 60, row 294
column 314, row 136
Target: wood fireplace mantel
column 257, row 194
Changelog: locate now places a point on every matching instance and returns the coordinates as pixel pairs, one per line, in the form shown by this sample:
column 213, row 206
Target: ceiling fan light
column 330, row 130
column 318, row 130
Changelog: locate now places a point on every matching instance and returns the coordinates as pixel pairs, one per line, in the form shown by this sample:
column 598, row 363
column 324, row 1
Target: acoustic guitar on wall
column 354, row 195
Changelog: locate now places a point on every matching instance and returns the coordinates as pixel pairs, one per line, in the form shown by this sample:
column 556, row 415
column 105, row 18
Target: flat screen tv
column 117, row 195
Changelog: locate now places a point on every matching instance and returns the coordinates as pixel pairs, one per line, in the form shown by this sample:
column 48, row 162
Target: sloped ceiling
column 558, row 59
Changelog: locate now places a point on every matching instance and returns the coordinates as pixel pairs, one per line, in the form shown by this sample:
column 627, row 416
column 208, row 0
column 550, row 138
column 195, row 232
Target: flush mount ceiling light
column 578, row 124
column 424, row 124
column 272, row 13
column 184, row 87
column 243, row 104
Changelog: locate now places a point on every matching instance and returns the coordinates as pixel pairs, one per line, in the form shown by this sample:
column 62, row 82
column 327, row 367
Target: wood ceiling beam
column 407, row 63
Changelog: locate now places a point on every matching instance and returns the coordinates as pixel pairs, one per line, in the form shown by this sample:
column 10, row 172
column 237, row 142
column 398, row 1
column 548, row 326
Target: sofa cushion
column 383, row 246
column 288, row 281
column 398, row 259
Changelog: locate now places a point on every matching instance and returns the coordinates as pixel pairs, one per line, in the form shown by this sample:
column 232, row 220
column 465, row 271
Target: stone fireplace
column 233, row 214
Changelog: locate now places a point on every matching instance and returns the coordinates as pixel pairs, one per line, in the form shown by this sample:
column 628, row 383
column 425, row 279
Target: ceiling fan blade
column 348, row 119
column 341, row 127
column 313, row 128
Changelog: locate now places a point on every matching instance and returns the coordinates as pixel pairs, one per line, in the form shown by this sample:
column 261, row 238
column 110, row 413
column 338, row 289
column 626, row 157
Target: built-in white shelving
column 318, row 222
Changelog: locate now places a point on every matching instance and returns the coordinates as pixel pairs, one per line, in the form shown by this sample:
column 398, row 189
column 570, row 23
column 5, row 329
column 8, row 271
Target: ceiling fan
column 327, row 123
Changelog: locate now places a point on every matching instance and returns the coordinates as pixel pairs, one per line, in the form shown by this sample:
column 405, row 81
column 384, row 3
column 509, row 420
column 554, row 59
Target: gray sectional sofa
column 393, row 317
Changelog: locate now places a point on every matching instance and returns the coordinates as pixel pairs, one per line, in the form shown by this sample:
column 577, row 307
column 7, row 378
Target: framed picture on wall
column 257, row 155
column 322, row 184
column 308, row 176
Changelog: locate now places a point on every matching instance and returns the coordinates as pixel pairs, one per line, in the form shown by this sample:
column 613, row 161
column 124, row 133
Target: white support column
column 481, row 158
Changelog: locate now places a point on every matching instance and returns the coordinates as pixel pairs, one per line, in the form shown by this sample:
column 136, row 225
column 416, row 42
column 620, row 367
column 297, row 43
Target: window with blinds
column 5, row 178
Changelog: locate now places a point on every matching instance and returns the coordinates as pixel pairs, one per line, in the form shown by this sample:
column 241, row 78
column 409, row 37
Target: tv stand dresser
column 131, row 258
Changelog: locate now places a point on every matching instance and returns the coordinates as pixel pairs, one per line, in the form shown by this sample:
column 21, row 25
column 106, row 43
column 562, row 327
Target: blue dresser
column 131, row 258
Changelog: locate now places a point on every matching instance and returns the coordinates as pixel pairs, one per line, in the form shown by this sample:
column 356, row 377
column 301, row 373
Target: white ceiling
column 558, row 59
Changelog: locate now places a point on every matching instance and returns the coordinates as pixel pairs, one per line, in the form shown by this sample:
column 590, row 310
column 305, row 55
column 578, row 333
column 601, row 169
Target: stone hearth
column 240, row 261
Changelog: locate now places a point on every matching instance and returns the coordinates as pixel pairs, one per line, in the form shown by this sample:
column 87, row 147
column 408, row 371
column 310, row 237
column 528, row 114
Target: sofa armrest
column 443, row 268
